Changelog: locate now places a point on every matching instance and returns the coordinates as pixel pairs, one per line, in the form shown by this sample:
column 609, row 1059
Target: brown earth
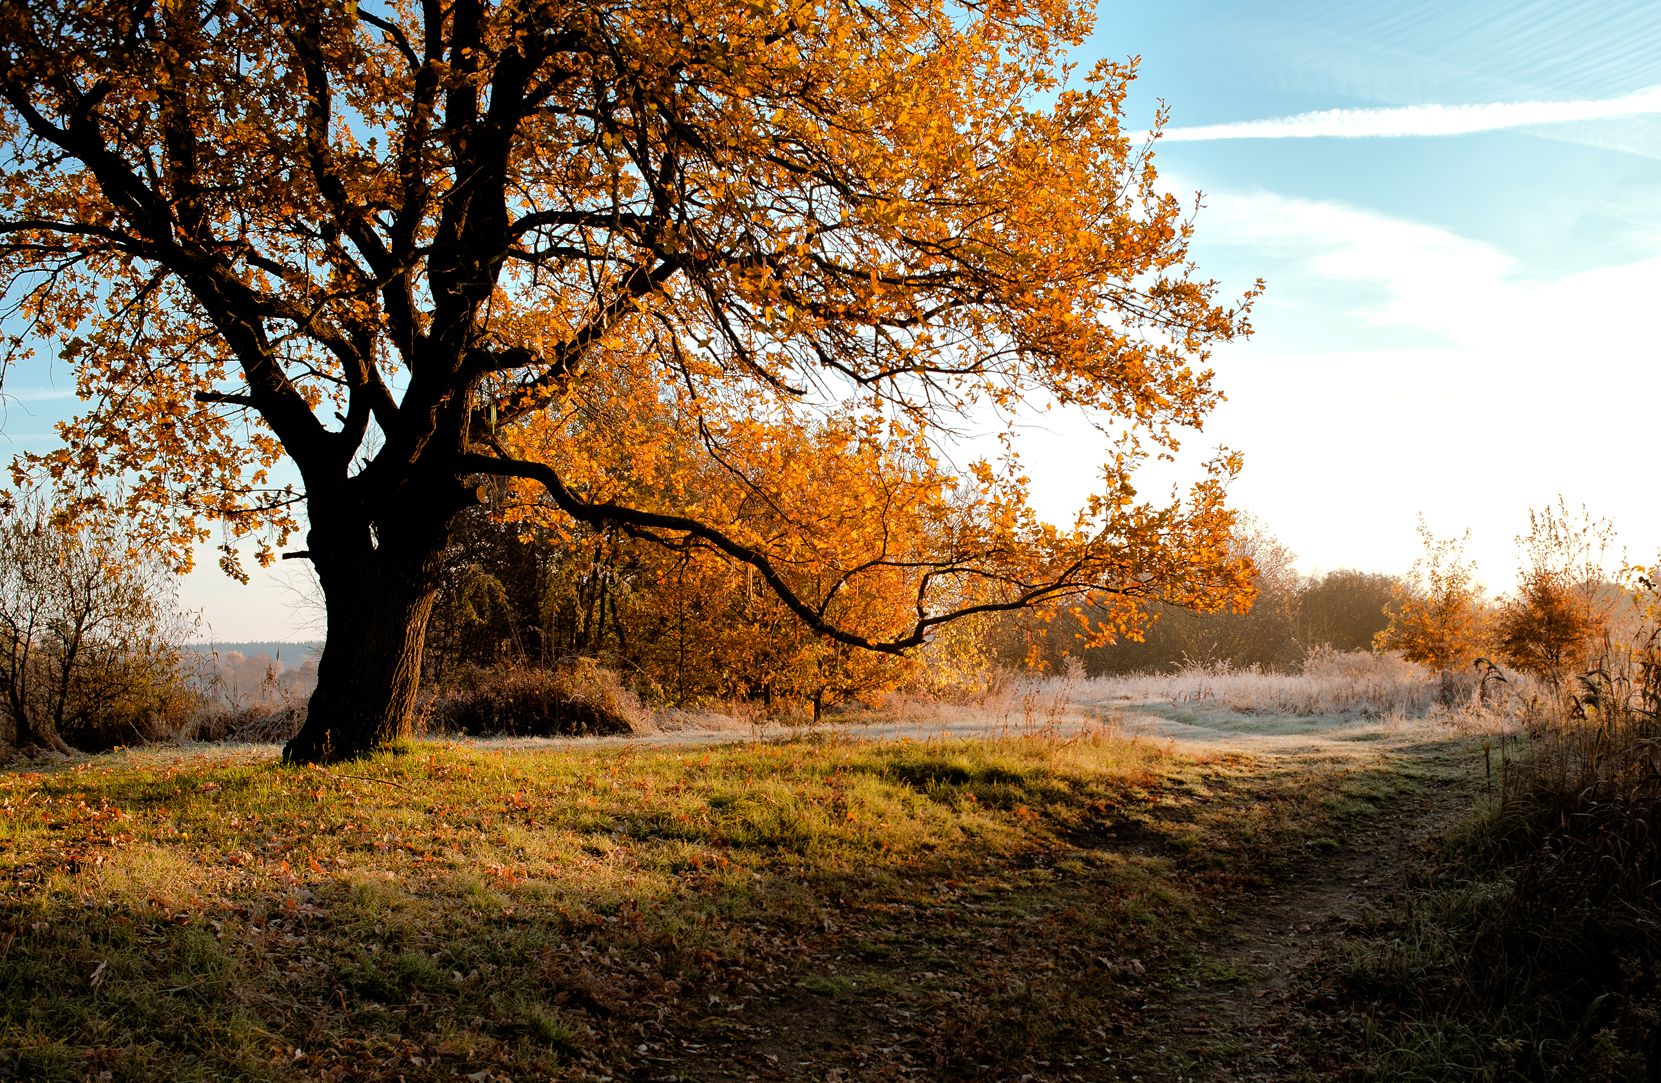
column 1014, row 972
column 1240, row 1012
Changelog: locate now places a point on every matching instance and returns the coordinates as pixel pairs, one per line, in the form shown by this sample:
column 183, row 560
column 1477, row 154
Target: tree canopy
column 672, row 263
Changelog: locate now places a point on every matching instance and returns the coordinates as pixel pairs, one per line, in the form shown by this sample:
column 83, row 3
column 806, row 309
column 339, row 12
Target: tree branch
column 647, row 523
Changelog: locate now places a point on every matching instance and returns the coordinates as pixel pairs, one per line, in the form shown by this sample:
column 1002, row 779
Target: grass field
column 798, row 910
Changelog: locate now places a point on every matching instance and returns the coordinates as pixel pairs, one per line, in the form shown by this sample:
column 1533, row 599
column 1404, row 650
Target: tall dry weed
column 574, row 697
column 1566, row 949
column 1348, row 683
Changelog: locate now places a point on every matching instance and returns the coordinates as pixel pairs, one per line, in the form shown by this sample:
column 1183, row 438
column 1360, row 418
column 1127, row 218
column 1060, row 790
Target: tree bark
column 377, row 599
column 30, row 734
column 29, row 731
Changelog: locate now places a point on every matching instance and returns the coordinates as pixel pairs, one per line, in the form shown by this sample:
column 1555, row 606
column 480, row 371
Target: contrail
column 1399, row 121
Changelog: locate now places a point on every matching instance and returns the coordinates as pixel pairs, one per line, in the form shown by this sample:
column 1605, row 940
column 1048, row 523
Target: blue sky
column 1460, row 316
column 1464, row 264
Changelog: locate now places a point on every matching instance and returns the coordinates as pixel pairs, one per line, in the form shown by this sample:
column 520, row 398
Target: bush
column 1438, row 617
column 89, row 635
column 1535, row 944
column 576, row 697
column 256, row 724
column 1549, row 629
column 1561, row 612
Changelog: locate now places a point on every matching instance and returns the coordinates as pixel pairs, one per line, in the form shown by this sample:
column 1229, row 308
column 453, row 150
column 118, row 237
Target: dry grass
column 1532, row 945
column 1330, row 684
column 784, row 910
column 576, row 697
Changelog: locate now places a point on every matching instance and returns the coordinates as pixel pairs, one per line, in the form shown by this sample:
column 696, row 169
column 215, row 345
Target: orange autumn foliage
column 1437, row 616
column 405, row 246
column 855, row 512
column 1561, row 612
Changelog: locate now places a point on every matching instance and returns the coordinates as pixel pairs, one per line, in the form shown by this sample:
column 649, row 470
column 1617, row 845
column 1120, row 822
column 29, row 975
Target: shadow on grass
column 952, row 910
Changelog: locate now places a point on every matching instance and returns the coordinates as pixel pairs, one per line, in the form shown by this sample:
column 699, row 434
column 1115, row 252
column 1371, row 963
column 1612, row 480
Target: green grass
column 955, row 909
column 1527, row 944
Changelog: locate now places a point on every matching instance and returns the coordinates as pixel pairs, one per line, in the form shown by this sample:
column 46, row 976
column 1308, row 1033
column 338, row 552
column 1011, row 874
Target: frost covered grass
column 1330, row 684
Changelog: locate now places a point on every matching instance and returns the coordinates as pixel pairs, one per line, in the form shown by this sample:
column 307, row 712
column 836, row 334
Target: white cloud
column 37, row 394
column 1536, row 385
column 1425, row 120
column 1468, row 293
column 1540, row 385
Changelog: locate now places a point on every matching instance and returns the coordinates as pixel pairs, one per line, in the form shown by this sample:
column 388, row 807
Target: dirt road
column 1234, row 1014
column 1231, row 1012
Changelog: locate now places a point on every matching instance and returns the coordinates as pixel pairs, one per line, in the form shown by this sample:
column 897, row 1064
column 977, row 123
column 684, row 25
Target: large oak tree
column 380, row 239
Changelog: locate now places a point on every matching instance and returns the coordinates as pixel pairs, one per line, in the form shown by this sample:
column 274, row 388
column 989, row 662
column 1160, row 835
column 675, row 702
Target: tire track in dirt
column 1234, row 1014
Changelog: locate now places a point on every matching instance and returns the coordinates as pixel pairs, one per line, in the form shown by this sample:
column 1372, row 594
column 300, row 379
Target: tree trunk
column 31, row 735
column 29, row 731
column 377, row 601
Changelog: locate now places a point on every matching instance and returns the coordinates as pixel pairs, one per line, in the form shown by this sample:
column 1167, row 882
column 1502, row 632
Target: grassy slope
column 782, row 910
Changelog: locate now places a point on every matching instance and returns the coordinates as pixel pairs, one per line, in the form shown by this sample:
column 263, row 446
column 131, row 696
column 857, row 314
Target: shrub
column 574, row 697
column 89, row 635
column 256, row 724
column 1561, row 610
column 1549, row 628
column 1535, row 943
column 1438, row 617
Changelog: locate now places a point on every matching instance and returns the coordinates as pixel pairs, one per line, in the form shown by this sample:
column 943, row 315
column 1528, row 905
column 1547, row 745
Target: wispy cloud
column 1519, row 394
column 37, row 394
column 1424, row 120
column 1469, row 295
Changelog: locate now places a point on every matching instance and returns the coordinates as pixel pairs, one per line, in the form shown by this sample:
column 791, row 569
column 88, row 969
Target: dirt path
column 1235, row 1013
column 863, row 1009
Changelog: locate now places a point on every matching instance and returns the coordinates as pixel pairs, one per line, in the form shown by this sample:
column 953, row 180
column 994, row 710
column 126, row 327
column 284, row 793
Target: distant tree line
column 549, row 621
column 1291, row 615
column 1566, row 608
column 688, row 627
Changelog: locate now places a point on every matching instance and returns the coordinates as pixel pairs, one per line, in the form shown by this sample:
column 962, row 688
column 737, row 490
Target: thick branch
column 646, row 523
